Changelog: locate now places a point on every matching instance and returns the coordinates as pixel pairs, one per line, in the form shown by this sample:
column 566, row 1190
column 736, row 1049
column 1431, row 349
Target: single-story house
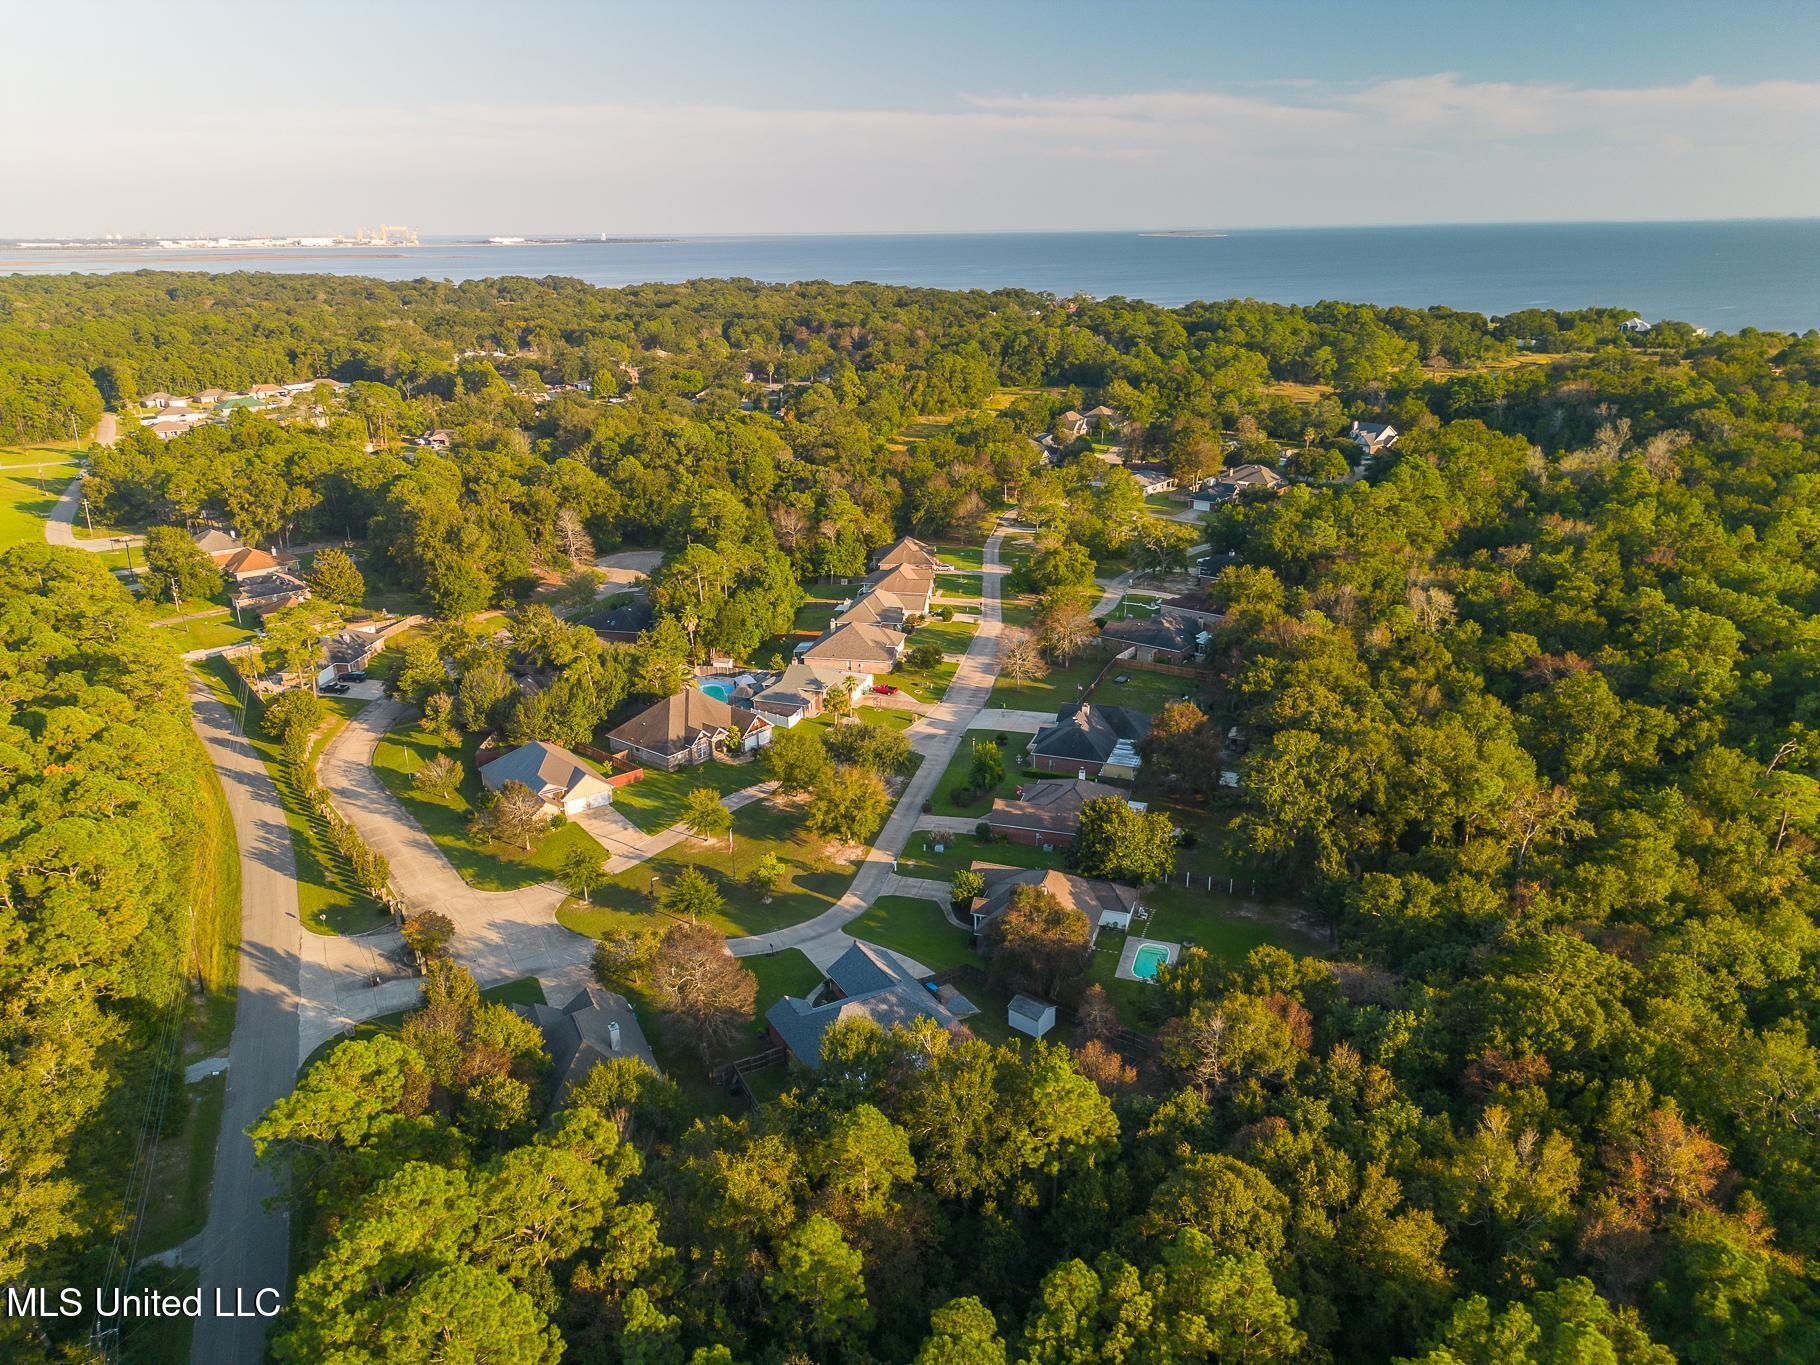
column 596, row 1026
column 1107, row 905
column 857, row 646
column 1027, row 1014
column 267, row 391
column 1090, row 741
column 160, row 399
column 865, row 982
column 623, row 624
column 211, row 395
column 907, row 553
column 801, row 691
column 1196, row 607
column 440, row 439
column 351, row 650
column 1229, row 484
column 1072, row 425
column 565, row 783
column 914, row 584
column 268, row 592
column 1159, row 639
column 687, row 729
column 238, row 560
column 1152, row 480
column 1045, row 814
column 887, row 609
column 1371, row 437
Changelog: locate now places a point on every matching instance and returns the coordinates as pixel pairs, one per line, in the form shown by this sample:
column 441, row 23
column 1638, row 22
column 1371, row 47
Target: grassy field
column 483, row 864
column 183, row 1167
column 917, row 928
column 209, row 632
column 27, row 497
column 927, row 685
column 965, row 585
column 1058, row 687
column 812, row 881
column 655, row 801
column 955, row 775
column 919, row 858
column 788, row 972
column 952, row 636
column 1144, row 691
column 326, row 895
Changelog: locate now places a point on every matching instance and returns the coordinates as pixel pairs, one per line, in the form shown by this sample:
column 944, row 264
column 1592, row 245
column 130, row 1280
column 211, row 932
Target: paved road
column 243, row 1246
column 936, row 737
column 60, row 526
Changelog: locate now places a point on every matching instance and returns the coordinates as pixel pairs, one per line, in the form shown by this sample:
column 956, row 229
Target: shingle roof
column 1083, row 730
column 1155, row 632
column 547, row 769
column 907, row 551
column 856, row 640
column 874, row 986
column 1092, row 897
column 578, row 1035
column 1052, row 805
column 675, row 723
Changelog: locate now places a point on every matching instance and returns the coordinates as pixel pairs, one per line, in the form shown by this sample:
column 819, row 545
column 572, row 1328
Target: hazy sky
column 684, row 116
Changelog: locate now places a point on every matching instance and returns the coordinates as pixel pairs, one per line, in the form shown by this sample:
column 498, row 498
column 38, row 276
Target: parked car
column 358, row 675
column 337, row 688
column 884, row 689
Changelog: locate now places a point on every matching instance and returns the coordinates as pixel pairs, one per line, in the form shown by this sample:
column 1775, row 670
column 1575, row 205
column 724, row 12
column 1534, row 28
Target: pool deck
column 1133, row 946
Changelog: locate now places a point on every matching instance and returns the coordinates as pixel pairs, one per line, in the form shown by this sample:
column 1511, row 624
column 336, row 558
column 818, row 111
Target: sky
column 696, row 116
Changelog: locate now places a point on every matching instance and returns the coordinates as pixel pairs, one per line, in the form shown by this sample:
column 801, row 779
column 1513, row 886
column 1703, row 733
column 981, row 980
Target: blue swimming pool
column 1148, row 959
column 718, row 688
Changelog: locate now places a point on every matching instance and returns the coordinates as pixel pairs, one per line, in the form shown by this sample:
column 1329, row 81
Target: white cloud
column 1423, row 148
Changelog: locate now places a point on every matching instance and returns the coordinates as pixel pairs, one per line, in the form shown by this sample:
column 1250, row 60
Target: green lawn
column 812, row 881
column 919, row 858
column 1145, row 691
column 483, row 864
column 926, row 685
column 1017, row 611
column 1058, row 687
column 779, row 974
column 917, row 928
column 26, row 499
column 327, row 898
column 952, row 636
column 655, row 801
column 955, row 775
column 958, row 585
column 212, row 632
column 885, row 717
column 962, row 558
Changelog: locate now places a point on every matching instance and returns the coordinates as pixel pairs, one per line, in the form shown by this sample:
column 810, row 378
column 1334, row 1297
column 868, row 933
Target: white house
column 1371, row 437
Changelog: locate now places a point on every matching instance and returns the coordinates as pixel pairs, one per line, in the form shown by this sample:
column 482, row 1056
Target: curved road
column 245, row 1247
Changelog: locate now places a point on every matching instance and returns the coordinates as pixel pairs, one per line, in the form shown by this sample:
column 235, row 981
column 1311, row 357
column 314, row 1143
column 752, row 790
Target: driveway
column 243, row 1246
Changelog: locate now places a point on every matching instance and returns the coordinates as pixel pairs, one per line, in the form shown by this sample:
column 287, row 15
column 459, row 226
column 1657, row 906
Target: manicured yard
column 952, row 636
column 1017, row 611
column 917, row 928
column 812, row 881
column 327, row 898
column 919, row 858
column 1058, row 687
column 655, row 801
column 958, row 585
column 788, row 972
column 1143, row 690
column 210, row 632
column 927, row 685
column 482, row 863
column 955, row 775
column 961, row 558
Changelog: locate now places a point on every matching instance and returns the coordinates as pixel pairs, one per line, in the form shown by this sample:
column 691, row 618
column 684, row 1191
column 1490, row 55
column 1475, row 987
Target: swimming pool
column 718, row 688
column 1148, row 959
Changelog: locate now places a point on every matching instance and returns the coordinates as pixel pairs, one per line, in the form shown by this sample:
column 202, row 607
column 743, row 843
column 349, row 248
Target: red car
column 884, row 689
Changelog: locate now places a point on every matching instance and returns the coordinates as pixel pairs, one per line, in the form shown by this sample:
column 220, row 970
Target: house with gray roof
column 563, row 781
column 1045, row 814
column 596, row 1026
column 865, row 982
column 1107, row 905
column 1090, row 741
column 1161, row 638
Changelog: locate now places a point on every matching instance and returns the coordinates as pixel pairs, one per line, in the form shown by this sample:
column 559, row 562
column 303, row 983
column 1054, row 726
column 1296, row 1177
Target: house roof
column 1052, row 805
column 910, row 552
column 245, row 560
column 874, row 985
column 629, row 619
column 802, row 683
column 579, row 1034
column 550, row 770
column 1091, row 896
column 216, row 542
column 676, row 723
column 875, row 607
column 275, row 584
column 1161, row 631
column 909, row 580
column 1194, row 604
column 1029, row 1007
column 857, row 640
column 1085, row 731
